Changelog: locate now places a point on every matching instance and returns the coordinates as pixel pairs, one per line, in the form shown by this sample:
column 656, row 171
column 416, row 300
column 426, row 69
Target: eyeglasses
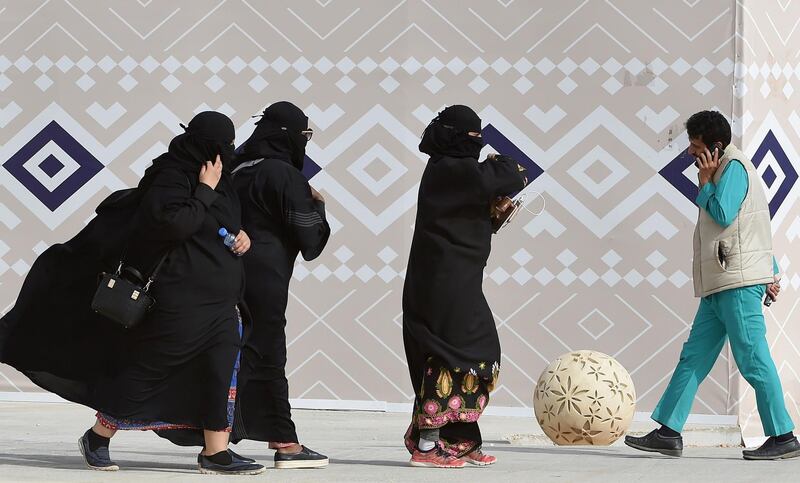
column 308, row 133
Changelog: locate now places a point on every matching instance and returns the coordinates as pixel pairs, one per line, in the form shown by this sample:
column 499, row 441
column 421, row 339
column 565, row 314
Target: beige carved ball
column 584, row 398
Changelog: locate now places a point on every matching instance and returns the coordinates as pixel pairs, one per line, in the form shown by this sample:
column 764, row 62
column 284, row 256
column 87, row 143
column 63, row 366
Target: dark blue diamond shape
column 51, row 166
column 770, row 144
column 769, row 176
column 88, row 166
column 673, row 173
column 310, row 168
column 504, row 146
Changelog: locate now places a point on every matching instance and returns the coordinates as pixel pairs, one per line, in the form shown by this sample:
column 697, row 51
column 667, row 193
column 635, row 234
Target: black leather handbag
column 122, row 300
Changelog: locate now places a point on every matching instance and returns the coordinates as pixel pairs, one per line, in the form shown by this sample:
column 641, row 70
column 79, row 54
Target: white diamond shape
column 612, row 66
column 301, row 84
column 634, row 66
column 523, row 66
column 324, row 65
column 345, row 84
column 680, row 66
column 85, row 64
column 43, row 82
column 567, row 85
column 499, row 276
column 301, row 65
column 434, row 65
column 776, row 71
column 5, row 82
column 726, row 67
column 703, row 66
column 23, row 63
column 149, row 64
column 321, row 272
column 501, row 66
column 389, row 65
column 387, row 254
column 345, row 65
column 703, row 86
column 21, row 267
column 753, row 70
column 237, row 65
column 598, row 189
column 658, row 66
column 387, row 273
column 592, row 334
column 657, row 85
column 280, row 65
column 589, row 277
column 192, row 65
column 478, row 65
column 566, row 258
column 44, row 64
column 258, row 83
column 566, row 277
column 544, row 276
column 85, row 82
column 521, row 276
column 740, row 89
column 765, row 90
column 127, row 83
column 170, row 83
column 433, row 84
column 215, row 83
column 128, row 64
column 64, row 64
column 411, row 65
column 679, row 279
column 51, row 183
column 589, row 66
column 788, row 71
column 612, row 85
column 611, row 278
column 258, row 65
column 796, row 281
column 300, row 272
column 367, row 65
column 788, row 90
column 343, row 254
column 522, row 256
column 5, row 63
column 389, row 84
column 523, row 85
column 365, row 273
column 611, row 258
column 456, row 66
column 171, row 64
column 633, row 278
column 656, row 278
column 39, row 248
column 343, row 273
column 478, row 84
column 567, row 66
column 380, row 154
column 656, row 259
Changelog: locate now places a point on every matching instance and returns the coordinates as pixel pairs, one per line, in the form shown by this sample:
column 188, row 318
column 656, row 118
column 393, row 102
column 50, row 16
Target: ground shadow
column 602, row 452
column 75, row 462
column 370, row 462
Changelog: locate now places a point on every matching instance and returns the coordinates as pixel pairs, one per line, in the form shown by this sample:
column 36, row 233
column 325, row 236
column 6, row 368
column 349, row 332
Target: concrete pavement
column 39, row 444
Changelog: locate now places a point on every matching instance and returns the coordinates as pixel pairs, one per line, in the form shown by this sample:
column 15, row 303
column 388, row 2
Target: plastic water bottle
column 227, row 238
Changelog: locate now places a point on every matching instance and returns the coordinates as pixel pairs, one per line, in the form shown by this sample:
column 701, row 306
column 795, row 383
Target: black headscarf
column 278, row 135
column 446, row 135
column 208, row 134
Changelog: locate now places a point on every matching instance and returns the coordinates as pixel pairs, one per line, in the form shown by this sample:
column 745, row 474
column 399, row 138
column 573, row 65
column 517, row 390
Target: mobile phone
column 717, row 146
column 767, row 298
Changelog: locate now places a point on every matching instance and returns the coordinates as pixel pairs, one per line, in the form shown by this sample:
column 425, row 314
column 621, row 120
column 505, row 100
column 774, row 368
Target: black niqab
column 447, row 134
column 278, row 136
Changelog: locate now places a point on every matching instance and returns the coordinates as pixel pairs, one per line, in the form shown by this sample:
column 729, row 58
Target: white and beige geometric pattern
column 591, row 93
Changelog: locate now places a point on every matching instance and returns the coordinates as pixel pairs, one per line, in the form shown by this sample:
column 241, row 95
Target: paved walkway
column 39, row 444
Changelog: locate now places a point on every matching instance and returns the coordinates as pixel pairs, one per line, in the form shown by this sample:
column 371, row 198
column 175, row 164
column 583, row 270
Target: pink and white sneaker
column 435, row 458
column 479, row 458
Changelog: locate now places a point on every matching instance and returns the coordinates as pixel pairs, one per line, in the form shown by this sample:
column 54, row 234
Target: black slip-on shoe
column 773, row 450
column 306, row 458
column 237, row 458
column 656, row 443
column 99, row 459
column 208, row 467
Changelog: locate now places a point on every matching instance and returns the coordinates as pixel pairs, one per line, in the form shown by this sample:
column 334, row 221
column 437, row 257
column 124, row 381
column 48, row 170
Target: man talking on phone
column 734, row 270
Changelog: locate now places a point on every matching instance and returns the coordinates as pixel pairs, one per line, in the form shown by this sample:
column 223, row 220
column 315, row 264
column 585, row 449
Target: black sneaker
column 654, row 442
column 773, row 450
column 99, row 459
column 237, row 458
column 208, row 467
column 306, row 458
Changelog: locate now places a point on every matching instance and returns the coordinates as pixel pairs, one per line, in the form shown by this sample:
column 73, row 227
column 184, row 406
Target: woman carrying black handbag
column 176, row 368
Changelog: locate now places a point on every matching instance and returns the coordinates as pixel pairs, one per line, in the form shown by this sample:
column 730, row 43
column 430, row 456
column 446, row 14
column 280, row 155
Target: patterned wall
column 590, row 94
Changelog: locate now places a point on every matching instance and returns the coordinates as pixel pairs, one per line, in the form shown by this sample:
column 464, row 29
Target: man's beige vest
column 739, row 255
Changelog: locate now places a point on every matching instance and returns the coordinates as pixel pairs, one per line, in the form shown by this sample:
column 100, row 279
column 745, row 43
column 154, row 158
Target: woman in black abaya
column 449, row 334
column 176, row 369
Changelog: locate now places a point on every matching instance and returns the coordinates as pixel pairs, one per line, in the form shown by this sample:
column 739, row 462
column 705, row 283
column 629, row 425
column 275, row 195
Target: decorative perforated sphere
column 584, row 398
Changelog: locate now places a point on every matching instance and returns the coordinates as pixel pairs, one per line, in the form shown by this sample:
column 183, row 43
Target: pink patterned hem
column 425, row 421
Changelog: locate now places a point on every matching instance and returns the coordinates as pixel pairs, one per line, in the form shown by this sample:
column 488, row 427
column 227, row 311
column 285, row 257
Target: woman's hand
column 242, row 244
column 210, row 173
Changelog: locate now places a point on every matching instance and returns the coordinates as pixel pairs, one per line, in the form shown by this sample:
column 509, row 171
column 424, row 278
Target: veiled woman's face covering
column 212, row 134
column 285, row 126
column 448, row 134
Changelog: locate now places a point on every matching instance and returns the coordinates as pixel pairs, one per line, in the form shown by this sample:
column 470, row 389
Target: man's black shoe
column 654, row 442
column 773, row 450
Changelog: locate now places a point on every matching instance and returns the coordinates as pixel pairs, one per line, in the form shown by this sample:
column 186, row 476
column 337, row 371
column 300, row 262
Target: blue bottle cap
column 223, row 232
